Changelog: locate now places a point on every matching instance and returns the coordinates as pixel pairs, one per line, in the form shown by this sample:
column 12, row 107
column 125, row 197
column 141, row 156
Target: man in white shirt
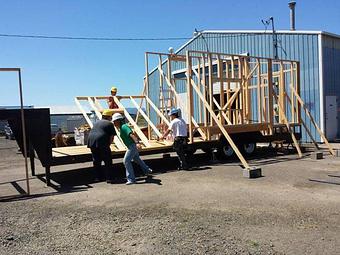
column 179, row 130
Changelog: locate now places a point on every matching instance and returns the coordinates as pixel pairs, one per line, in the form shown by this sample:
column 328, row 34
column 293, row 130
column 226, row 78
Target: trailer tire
column 249, row 148
column 226, row 151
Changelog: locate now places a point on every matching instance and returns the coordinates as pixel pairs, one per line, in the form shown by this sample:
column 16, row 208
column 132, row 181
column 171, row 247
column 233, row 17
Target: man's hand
column 139, row 146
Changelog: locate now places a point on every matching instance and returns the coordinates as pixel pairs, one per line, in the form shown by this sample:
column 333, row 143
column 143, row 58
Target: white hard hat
column 117, row 116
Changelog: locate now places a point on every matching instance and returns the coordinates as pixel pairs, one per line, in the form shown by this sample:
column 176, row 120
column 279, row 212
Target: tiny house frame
column 222, row 97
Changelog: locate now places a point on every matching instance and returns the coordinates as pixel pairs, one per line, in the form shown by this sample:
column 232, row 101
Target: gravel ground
column 293, row 209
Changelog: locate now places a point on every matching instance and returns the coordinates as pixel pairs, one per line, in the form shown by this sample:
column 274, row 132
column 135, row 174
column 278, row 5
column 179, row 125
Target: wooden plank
column 205, row 95
column 222, row 113
column 176, row 96
column 94, row 107
column 133, row 123
column 200, row 88
column 285, row 120
column 270, row 96
column 166, row 121
column 240, row 128
column 117, row 140
column 259, row 97
column 189, row 96
column 220, row 75
column 224, row 132
column 282, row 90
column 210, row 86
column 251, row 73
column 304, row 125
column 155, row 129
column 147, row 92
column 292, row 93
column 330, row 148
column 231, row 100
column 97, row 102
column 89, row 122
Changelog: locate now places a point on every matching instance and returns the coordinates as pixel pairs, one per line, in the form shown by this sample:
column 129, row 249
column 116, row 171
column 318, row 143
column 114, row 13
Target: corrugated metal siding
column 331, row 69
column 300, row 47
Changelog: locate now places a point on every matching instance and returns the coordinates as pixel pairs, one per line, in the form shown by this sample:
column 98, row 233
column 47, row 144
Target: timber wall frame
column 233, row 92
column 225, row 94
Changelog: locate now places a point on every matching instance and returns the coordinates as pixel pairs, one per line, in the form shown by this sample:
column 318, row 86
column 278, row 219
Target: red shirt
column 112, row 104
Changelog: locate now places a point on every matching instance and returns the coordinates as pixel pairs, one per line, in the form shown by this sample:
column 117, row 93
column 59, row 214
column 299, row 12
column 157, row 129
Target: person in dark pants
column 99, row 141
column 179, row 130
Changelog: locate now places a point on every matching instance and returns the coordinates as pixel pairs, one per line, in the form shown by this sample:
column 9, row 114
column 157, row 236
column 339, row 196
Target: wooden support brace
column 231, row 99
column 282, row 113
column 313, row 121
column 225, row 133
column 304, row 125
column 83, row 112
column 153, row 106
column 146, row 118
column 133, row 123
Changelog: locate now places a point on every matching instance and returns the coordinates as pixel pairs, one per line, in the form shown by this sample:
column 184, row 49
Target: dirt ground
column 293, row 209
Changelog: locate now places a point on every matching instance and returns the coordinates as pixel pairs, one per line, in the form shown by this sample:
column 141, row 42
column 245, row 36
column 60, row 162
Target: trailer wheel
column 226, row 151
column 249, row 148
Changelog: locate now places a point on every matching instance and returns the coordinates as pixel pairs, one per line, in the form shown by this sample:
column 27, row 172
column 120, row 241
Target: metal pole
column 23, row 131
column 291, row 6
column 274, row 39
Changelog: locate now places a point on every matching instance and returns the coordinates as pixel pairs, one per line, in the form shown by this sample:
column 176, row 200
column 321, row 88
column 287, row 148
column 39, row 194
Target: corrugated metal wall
column 331, row 69
column 300, row 47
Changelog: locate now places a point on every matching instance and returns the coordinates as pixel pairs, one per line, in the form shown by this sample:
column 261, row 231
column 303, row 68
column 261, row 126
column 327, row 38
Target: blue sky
column 55, row 71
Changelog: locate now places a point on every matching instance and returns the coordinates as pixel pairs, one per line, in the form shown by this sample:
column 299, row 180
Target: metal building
column 317, row 51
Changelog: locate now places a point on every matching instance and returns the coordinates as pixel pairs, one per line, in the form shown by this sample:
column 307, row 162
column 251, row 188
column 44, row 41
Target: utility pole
column 275, row 47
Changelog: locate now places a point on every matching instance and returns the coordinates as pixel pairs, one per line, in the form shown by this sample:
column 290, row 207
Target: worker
column 99, row 141
column 59, row 139
column 132, row 144
column 111, row 102
column 179, row 130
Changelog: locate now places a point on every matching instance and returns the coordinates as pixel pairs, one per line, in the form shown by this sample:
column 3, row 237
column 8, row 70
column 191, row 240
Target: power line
column 93, row 38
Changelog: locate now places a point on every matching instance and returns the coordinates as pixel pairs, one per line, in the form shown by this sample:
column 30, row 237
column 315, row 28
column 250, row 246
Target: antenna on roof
column 267, row 23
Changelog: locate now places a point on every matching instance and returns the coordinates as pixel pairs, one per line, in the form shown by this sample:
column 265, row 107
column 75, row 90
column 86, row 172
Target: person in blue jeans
column 132, row 144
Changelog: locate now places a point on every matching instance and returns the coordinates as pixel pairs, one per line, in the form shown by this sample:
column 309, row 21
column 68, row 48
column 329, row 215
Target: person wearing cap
column 99, row 141
column 111, row 102
column 179, row 130
column 132, row 144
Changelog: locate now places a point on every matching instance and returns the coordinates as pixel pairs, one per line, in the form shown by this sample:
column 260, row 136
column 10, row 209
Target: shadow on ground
column 81, row 179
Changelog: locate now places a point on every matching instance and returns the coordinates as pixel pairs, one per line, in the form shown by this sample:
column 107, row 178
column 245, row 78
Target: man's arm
column 134, row 138
column 111, row 139
column 166, row 134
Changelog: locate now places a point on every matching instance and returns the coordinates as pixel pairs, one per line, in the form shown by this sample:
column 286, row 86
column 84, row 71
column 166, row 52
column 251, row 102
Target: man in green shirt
column 132, row 144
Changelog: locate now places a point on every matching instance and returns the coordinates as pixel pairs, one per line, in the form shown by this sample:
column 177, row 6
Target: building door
column 331, row 118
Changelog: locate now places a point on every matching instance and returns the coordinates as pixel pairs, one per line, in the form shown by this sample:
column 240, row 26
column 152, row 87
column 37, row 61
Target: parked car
column 9, row 133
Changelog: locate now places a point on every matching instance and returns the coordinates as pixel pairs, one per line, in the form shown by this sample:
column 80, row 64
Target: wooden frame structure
column 219, row 95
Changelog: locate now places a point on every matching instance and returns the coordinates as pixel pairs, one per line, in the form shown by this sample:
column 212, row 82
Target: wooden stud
column 259, row 92
column 224, row 132
column 189, row 96
column 89, row 122
column 270, row 96
column 146, row 118
column 285, row 120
